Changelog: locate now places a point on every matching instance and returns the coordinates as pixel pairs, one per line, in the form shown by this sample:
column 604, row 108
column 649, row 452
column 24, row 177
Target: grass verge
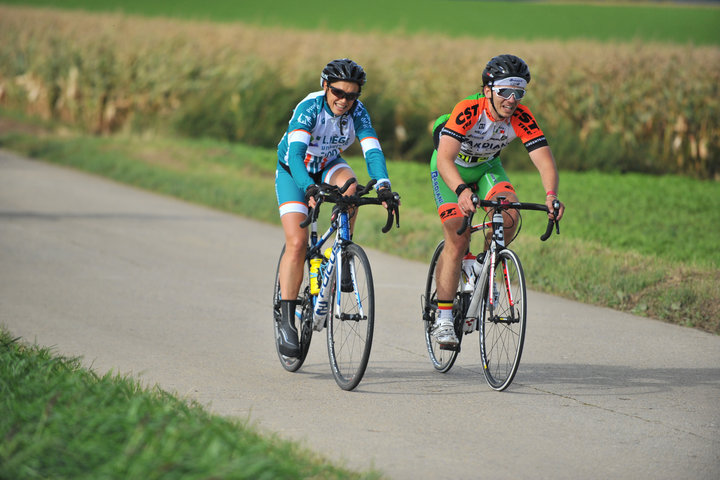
column 629, row 255
column 58, row 420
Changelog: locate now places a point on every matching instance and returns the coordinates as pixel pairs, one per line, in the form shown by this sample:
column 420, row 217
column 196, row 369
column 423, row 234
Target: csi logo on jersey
column 450, row 212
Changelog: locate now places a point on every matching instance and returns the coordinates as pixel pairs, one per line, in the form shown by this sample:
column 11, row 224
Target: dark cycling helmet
column 341, row 70
column 504, row 66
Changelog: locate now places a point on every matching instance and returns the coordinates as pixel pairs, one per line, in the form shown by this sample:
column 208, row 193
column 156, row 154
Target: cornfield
column 605, row 106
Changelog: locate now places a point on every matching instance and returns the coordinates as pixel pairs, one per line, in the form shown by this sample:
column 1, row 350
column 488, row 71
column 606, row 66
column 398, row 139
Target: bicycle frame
column 497, row 243
column 321, row 302
column 345, row 310
column 339, row 224
column 495, row 304
column 488, row 270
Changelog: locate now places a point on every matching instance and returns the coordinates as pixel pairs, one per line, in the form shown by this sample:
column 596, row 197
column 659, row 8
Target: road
column 179, row 295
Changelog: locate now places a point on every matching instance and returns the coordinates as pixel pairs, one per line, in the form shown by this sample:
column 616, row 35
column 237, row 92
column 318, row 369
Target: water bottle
column 478, row 265
column 467, row 273
column 314, row 275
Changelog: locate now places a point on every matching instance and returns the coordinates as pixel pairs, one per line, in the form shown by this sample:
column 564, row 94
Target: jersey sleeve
column 374, row 157
column 298, row 137
column 527, row 129
column 462, row 118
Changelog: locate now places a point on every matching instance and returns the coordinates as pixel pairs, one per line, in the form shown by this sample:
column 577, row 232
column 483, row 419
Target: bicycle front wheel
column 441, row 359
column 303, row 319
column 502, row 322
column 352, row 318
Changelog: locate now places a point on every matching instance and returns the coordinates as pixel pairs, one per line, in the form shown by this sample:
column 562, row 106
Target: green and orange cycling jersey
column 482, row 137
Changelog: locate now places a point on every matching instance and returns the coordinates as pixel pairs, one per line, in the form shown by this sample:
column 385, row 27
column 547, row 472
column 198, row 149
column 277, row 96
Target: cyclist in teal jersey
column 323, row 125
column 468, row 143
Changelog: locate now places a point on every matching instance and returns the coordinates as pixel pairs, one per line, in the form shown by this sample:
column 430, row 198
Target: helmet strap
column 492, row 101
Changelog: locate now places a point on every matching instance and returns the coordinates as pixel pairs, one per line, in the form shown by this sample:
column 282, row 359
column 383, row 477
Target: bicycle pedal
column 452, row 348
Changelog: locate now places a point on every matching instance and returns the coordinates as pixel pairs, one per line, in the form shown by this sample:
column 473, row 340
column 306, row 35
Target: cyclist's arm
column 374, row 156
column 527, row 129
column 375, row 159
column 464, row 115
column 545, row 163
column 298, row 136
column 297, row 148
column 448, row 149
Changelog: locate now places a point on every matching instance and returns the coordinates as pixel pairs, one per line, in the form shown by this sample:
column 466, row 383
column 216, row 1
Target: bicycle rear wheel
column 303, row 319
column 352, row 320
column 502, row 325
column 441, row 359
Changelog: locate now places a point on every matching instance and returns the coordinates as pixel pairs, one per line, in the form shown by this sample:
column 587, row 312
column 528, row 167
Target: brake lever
column 394, row 210
column 468, row 219
column 314, row 211
column 552, row 222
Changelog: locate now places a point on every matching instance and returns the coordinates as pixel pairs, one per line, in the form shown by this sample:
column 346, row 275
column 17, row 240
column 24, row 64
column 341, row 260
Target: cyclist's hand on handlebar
column 390, row 200
column 553, row 212
column 311, row 194
column 466, row 203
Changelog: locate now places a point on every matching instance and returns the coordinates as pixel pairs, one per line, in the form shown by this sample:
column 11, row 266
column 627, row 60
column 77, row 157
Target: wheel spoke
column 351, row 324
column 442, row 359
column 502, row 325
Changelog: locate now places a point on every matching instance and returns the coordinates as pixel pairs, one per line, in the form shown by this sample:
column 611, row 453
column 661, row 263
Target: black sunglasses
column 351, row 96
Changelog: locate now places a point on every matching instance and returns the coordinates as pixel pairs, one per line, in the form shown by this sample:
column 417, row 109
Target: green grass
column 644, row 21
column 622, row 245
column 60, row 421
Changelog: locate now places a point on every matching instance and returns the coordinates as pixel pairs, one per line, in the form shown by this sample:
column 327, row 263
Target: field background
column 190, row 103
column 167, row 104
column 629, row 106
column 667, row 22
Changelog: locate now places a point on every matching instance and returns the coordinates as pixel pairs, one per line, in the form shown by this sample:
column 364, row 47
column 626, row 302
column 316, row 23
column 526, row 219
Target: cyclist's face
column 505, row 107
column 336, row 96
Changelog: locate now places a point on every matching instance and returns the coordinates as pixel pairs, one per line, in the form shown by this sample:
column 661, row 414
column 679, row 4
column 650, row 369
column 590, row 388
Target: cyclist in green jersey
column 467, row 159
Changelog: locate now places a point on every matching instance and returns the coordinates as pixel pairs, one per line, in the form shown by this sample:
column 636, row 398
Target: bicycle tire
column 303, row 318
column 351, row 321
column 502, row 327
column 441, row 359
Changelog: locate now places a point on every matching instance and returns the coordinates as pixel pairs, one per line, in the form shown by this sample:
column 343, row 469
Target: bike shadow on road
column 406, row 377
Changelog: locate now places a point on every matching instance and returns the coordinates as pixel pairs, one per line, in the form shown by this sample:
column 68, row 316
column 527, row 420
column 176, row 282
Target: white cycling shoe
column 444, row 333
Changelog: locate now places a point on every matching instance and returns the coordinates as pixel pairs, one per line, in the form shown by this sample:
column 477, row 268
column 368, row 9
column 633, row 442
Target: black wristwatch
column 461, row 188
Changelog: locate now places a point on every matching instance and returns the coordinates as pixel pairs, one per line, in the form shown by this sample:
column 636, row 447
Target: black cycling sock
column 289, row 343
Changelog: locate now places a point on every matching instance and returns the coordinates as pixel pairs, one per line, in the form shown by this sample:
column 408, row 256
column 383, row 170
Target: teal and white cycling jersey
column 315, row 137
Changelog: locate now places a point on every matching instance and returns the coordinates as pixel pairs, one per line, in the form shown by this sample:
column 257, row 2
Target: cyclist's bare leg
column 339, row 178
column 448, row 267
column 291, row 265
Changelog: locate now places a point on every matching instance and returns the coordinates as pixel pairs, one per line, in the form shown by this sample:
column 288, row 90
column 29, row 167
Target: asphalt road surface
column 179, row 295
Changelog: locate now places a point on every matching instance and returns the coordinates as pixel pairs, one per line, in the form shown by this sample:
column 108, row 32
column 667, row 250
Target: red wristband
column 551, row 193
